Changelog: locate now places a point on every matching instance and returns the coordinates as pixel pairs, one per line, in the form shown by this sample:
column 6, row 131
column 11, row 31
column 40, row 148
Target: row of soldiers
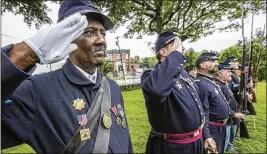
column 185, row 108
column 76, row 109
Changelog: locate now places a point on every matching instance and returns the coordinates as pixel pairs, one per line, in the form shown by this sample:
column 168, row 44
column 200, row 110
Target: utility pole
column 117, row 43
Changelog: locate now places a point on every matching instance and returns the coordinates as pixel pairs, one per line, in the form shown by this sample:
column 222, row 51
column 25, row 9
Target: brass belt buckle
column 165, row 136
column 196, row 133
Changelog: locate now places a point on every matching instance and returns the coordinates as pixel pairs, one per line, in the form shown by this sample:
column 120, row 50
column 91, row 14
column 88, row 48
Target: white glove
column 54, row 43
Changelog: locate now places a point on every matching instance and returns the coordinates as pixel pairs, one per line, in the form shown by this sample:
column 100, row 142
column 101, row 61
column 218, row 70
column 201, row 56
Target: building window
column 109, row 56
column 127, row 56
column 118, row 56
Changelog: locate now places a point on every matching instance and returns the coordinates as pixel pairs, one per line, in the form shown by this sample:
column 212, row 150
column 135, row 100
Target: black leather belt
column 220, row 121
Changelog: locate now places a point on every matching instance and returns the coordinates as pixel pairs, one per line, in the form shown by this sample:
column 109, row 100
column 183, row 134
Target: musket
column 242, row 91
column 250, row 62
column 259, row 58
column 250, row 56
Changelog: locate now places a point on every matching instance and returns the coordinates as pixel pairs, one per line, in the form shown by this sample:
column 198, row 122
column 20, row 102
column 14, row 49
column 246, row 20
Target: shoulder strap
column 75, row 144
column 219, row 90
column 103, row 133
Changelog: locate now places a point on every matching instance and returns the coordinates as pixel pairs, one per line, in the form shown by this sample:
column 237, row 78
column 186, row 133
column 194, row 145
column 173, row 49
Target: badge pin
column 107, row 120
column 179, row 86
column 123, row 123
column 78, row 104
column 82, row 119
column 120, row 111
column 216, row 91
column 118, row 120
column 85, row 134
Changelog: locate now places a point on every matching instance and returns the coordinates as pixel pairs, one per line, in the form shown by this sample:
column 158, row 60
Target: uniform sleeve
column 159, row 81
column 130, row 148
column 18, row 114
column 11, row 76
column 204, row 95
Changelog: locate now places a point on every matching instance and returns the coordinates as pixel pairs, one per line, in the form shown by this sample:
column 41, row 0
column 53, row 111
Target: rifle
column 250, row 89
column 242, row 91
column 259, row 59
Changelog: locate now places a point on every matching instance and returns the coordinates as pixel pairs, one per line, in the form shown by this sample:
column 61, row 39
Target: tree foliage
column 198, row 18
column 106, row 68
column 195, row 17
column 34, row 12
column 148, row 62
column 191, row 55
column 236, row 50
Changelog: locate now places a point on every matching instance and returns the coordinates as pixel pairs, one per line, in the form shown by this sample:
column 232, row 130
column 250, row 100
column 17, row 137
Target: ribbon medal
column 115, row 112
column 120, row 111
column 82, row 119
column 121, row 115
column 85, row 134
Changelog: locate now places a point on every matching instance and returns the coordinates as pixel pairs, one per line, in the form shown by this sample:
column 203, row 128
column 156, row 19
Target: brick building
column 114, row 57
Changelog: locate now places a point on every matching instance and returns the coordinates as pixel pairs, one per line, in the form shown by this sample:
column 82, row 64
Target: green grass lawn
column 257, row 141
column 139, row 126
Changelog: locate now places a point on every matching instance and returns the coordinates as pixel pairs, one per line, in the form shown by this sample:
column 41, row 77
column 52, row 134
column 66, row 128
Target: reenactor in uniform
column 234, row 85
column 173, row 106
column 214, row 103
column 235, row 80
column 222, row 77
column 192, row 71
column 73, row 109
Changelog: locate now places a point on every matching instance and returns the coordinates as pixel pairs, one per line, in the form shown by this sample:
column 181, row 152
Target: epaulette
column 147, row 71
column 197, row 80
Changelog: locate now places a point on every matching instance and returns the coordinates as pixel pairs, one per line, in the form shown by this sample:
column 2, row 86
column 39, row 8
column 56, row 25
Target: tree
column 194, row 17
column 191, row 55
column 236, row 50
column 132, row 60
column 231, row 51
column 152, row 61
column 106, row 68
column 187, row 16
column 34, row 12
column 137, row 59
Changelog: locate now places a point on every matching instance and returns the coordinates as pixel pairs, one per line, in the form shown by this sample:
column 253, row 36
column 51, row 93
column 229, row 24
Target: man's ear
column 202, row 65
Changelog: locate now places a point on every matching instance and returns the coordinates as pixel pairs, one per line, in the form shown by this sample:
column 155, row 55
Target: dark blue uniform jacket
column 173, row 105
column 39, row 109
column 231, row 99
column 214, row 105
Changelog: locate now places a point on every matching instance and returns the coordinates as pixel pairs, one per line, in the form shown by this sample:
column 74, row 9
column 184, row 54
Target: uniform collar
column 76, row 77
column 90, row 77
column 201, row 74
column 223, row 82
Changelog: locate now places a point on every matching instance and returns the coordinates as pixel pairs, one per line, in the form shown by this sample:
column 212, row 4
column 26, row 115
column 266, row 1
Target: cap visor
column 183, row 37
column 107, row 22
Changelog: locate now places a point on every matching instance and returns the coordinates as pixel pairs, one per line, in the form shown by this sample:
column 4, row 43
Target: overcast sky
column 15, row 27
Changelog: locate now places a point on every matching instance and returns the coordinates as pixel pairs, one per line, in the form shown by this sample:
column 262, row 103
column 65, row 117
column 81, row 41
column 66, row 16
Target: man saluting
column 173, row 106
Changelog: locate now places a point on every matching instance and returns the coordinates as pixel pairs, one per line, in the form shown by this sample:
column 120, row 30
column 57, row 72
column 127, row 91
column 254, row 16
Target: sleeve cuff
column 178, row 56
column 9, row 70
column 205, row 136
column 232, row 113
